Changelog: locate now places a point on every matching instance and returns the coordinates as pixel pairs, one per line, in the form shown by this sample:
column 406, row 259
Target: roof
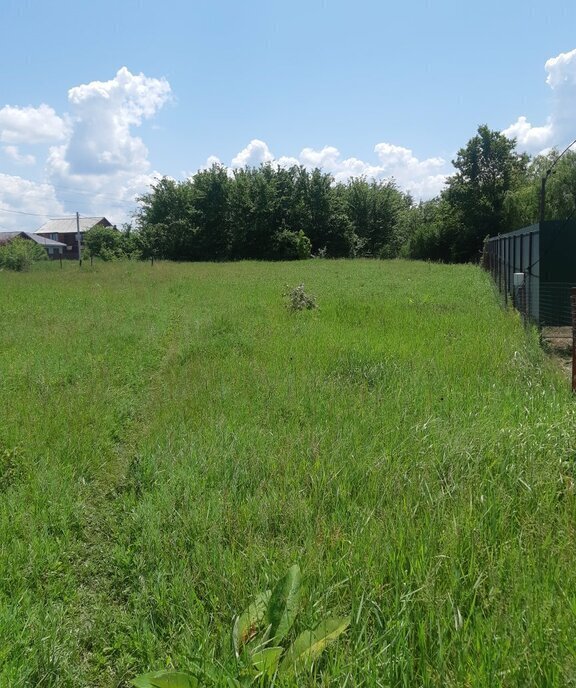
column 67, row 225
column 5, row 237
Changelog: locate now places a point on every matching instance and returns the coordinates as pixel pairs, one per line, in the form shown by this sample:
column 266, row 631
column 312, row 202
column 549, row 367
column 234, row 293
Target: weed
column 298, row 299
column 258, row 639
column 10, row 466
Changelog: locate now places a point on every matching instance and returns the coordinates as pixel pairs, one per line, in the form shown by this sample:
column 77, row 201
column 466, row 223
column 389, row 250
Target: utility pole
column 545, row 179
column 78, row 239
column 543, row 194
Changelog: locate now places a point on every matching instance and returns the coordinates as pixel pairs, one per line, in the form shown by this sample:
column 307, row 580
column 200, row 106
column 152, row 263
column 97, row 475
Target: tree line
column 275, row 213
column 494, row 190
column 270, row 213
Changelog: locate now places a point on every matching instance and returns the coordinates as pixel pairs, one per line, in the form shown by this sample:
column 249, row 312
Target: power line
column 21, row 212
column 50, row 217
column 94, row 193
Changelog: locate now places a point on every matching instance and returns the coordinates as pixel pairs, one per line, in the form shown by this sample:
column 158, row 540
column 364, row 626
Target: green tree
column 375, row 210
column 523, row 203
column 488, row 169
column 105, row 243
column 166, row 221
column 210, row 211
column 432, row 228
column 254, row 212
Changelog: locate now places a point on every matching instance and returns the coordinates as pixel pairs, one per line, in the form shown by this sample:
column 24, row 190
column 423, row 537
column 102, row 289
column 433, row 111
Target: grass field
column 172, row 438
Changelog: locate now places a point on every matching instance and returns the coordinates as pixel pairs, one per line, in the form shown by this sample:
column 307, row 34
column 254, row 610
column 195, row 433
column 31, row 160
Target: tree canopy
column 268, row 212
column 277, row 213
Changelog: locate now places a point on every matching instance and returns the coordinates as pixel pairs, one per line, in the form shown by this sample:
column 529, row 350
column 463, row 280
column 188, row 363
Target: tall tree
column 374, row 209
column 488, row 168
column 211, row 212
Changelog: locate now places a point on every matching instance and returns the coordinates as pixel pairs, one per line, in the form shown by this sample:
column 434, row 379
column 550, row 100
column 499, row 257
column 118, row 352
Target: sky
column 98, row 100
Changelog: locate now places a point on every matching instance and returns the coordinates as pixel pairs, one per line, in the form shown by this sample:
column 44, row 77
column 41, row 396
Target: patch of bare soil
column 558, row 343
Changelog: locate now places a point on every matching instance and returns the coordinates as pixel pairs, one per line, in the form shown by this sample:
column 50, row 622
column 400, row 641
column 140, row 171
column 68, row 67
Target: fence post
column 573, row 309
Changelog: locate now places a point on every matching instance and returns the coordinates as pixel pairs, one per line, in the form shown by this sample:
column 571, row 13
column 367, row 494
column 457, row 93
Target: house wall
column 69, row 238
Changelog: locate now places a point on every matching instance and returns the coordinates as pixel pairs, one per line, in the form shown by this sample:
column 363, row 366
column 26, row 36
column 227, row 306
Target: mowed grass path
column 172, row 439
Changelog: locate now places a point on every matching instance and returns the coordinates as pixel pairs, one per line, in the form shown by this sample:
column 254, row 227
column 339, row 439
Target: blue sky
column 98, row 99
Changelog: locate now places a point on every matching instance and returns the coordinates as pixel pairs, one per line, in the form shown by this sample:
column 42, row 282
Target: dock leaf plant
column 259, row 639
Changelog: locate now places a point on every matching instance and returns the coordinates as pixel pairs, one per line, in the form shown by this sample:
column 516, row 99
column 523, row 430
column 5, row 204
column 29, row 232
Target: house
column 54, row 249
column 65, row 230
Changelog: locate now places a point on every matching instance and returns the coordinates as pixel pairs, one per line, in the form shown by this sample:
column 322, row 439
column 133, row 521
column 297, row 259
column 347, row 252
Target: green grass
column 172, row 438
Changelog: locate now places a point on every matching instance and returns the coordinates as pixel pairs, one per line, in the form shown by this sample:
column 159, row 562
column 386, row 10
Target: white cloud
column 528, row 136
column 286, row 161
column 102, row 159
column 397, row 157
column 31, row 125
column 326, row 158
column 422, row 178
column 559, row 127
column 95, row 162
column 103, row 114
column 14, row 154
column 561, row 70
column 255, row 153
column 24, row 196
column 212, row 160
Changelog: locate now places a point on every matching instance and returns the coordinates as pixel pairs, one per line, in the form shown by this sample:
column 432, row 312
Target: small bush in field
column 298, row 299
column 19, row 254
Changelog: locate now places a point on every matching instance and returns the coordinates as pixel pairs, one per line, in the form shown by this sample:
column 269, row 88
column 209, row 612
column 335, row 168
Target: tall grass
column 172, row 438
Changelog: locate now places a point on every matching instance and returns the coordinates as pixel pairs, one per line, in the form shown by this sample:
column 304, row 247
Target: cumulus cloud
column 422, row 178
column 528, row 136
column 31, row 125
column 561, row 70
column 558, row 129
column 19, row 158
column 255, row 153
column 103, row 115
column 326, row 158
column 212, row 160
column 102, row 158
column 93, row 160
column 24, row 196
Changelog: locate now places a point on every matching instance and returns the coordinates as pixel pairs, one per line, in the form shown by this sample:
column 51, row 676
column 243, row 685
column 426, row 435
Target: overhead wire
column 21, row 212
column 69, row 189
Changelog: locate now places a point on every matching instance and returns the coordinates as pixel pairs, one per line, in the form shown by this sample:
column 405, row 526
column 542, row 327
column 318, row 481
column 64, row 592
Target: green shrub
column 298, row 299
column 19, row 254
column 289, row 245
